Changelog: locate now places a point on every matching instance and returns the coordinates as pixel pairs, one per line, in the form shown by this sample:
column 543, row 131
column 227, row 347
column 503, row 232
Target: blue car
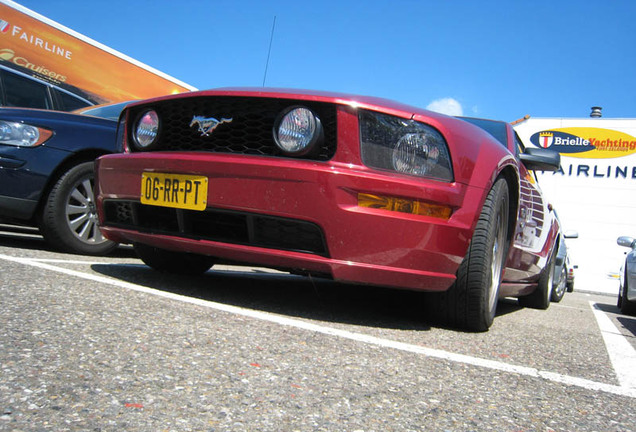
column 46, row 172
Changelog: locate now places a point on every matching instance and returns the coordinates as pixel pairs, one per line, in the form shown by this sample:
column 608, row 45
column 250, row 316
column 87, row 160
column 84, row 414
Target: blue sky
column 493, row 59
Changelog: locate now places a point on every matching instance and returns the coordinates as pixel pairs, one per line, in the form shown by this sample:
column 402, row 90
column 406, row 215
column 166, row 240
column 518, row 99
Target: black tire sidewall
column 500, row 192
column 466, row 304
column 168, row 261
column 53, row 224
column 627, row 307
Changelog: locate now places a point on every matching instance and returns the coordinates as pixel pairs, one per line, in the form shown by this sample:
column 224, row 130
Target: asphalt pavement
column 106, row 344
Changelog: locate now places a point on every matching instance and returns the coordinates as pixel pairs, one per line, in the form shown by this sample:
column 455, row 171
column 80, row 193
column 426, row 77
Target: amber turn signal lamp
column 403, row 206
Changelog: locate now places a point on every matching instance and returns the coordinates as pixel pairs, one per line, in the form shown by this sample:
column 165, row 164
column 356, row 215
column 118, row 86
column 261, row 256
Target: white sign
column 593, row 193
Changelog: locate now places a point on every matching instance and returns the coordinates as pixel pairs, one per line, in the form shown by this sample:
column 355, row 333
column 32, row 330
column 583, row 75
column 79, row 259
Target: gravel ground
column 84, row 355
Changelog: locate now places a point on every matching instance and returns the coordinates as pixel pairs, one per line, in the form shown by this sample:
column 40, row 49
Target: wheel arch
column 510, row 174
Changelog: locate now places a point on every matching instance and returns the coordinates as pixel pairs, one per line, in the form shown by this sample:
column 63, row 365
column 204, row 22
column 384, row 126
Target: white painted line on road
column 620, row 351
column 63, row 261
column 359, row 337
column 217, row 268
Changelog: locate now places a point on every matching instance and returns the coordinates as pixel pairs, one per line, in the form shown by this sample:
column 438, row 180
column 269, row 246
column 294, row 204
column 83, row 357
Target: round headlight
column 146, row 130
column 298, row 131
column 415, row 154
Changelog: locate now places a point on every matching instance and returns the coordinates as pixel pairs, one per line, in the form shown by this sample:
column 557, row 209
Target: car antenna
column 524, row 118
column 269, row 51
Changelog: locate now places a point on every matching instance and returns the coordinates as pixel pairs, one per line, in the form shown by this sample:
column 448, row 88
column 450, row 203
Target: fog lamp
column 298, row 131
column 146, row 130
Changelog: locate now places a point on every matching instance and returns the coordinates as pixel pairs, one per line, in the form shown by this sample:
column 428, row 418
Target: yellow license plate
column 174, row 190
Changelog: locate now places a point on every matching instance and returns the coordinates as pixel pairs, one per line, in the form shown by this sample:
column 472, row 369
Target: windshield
column 495, row 128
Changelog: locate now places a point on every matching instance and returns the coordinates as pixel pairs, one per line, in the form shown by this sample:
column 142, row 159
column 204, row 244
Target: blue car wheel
column 69, row 216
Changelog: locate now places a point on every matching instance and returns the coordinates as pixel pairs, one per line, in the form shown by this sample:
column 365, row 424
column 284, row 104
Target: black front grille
column 218, row 225
column 249, row 132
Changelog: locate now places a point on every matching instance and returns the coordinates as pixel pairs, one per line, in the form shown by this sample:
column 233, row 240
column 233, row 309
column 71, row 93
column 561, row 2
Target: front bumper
column 24, row 173
column 361, row 245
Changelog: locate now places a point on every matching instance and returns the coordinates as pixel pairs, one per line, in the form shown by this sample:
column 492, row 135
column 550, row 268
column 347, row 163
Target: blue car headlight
column 22, row 134
column 404, row 146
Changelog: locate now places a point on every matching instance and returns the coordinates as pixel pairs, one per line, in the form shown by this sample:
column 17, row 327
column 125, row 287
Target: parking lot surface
column 105, row 343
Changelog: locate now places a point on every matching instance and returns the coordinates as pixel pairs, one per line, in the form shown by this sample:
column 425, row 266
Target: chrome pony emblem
column 207, row 125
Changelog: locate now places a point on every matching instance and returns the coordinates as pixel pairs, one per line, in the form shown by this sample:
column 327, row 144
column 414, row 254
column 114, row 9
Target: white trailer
column 35, row 46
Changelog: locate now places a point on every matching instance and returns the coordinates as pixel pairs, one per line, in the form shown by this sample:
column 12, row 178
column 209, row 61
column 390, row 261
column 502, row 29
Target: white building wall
column 594, row 193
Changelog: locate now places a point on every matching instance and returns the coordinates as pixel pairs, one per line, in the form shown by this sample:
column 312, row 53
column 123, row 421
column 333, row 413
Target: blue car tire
column 69, row 215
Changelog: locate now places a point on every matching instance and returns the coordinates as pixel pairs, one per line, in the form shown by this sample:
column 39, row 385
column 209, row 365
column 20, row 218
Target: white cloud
column 448, row 106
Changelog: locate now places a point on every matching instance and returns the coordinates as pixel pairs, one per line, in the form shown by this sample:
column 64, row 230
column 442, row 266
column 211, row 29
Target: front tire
column 69, row 217
column 471, row 302
column 627, row 307
column 168, row 261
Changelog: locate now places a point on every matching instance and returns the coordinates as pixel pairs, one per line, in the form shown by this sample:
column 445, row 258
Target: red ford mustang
column 357, row 189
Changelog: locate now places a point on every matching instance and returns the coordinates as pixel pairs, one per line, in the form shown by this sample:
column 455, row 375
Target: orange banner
column 49, row 51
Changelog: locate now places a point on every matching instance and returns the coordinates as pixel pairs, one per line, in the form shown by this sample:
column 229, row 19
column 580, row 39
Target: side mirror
column 571, row 234
column 629, row 242
column 540, row 159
